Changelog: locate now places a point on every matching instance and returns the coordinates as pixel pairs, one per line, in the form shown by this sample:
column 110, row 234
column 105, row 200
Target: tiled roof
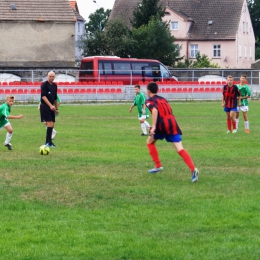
column 36, row 10
column 225, row 15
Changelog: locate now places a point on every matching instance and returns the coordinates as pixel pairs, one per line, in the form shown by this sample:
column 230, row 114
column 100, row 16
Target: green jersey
column 5, row 110
column 139, row 102
column 244, row 91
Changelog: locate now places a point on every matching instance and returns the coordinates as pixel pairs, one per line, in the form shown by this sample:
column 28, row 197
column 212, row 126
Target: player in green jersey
column 143, row 112
column 54, row 132
column 245, row 94
column 5, row 110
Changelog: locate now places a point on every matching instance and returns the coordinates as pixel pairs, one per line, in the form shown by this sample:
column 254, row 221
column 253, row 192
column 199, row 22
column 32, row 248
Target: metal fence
column 71, row 74
column 97, row 93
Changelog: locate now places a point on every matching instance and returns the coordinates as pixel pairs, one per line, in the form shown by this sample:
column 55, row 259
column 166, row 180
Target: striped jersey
column 166, row 122
column 230, row 96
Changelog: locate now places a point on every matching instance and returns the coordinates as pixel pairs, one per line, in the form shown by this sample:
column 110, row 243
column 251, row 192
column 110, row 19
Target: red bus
column 128, row 70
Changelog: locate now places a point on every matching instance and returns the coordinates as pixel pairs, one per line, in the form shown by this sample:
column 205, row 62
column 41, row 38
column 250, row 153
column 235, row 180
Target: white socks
column 246, row 125
column 237, row 121
column 143, row 126
column 8, row 138
column 147, row 124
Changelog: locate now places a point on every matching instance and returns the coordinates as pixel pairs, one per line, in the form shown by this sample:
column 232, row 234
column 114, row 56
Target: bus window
column 137, row 67
column 122, row 68
column 100, row 68
column 86, row 68
column 108, row 68
column 164, row 72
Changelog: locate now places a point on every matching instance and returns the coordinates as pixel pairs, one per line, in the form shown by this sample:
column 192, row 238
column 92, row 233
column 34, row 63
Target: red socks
column 229, row 124
column 187, row 159
column 183, row 153
column 154, row 154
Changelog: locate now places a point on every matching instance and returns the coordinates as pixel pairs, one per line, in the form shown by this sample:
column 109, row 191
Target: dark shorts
column 168, row 138
column 230, row 109
column 47, row 115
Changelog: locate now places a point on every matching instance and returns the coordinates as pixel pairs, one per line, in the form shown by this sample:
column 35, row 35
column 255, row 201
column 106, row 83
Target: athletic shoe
column 228, row 132
column 195, row 175
column 53, row 134
column 51, row 145
column 155, row 170
column 247, row 131
column 234, row 131
column 143, row 134
column 9, row 146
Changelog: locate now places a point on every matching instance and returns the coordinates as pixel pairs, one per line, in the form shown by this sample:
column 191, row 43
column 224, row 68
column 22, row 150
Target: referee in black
column 49, row 106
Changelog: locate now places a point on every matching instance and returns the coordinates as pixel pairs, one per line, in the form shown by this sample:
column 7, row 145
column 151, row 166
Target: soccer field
column 92, row 197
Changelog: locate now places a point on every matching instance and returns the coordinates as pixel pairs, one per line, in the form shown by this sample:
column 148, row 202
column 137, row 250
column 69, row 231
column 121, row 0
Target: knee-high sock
column 154, row 154
column 229, row 124
column 187, row 159
column 48, row 134
column 246, row 125
column 8, row 138
column 237, row 121
column 147, row 124
column 144, row 128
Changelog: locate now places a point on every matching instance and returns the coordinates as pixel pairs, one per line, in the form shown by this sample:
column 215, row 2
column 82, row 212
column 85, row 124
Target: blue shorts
column 230, row 109
column 168, row 138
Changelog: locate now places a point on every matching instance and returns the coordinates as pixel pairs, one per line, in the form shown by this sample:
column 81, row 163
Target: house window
column 244, row 27
column 245, row 51
column 193, row 50
column 174, row 26
column 250, row 52
column 216, row 50
column 239, row 51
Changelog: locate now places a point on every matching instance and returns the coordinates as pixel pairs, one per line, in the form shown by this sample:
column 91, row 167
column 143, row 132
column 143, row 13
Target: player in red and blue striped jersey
column 165, row 126
column 230, row 101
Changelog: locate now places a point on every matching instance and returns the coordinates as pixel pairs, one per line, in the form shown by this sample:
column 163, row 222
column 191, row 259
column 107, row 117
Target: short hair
column 9, row 96
column 229, row 77
column 51, row 72
column 137, row 86
column 244, row 76
column 153, row 87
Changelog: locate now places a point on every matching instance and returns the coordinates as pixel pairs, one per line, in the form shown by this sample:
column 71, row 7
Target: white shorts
column 243, row 108
column 143, row 117
column 5, row 125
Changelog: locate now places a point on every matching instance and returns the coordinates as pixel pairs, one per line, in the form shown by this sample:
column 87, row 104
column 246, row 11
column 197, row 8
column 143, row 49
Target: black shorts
column 47, row 115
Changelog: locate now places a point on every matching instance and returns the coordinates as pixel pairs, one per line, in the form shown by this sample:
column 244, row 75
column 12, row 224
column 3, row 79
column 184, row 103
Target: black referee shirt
column 49, row 91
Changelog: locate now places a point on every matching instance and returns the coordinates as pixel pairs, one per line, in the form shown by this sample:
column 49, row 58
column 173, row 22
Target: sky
column 87, row 7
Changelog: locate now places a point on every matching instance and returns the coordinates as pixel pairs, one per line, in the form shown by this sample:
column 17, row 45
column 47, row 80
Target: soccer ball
column 44, row 150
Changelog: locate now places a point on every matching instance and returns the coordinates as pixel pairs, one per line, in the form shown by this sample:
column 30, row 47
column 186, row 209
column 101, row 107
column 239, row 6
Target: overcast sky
column 86, row 7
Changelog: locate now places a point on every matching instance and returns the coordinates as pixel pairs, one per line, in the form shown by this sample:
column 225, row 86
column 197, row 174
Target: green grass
column 92, row 198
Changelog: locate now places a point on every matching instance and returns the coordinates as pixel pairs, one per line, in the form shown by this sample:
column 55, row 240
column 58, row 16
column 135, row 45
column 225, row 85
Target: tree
column 119, row 40
column 254, row 10
column 94, row 42
column 154, row 41
column 97, row 20
column 200, row 62
column 144, row 12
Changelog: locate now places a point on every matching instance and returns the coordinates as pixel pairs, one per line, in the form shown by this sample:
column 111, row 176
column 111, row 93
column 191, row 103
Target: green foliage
column 202, row 61
column 93, row 44
column 97, row 20
column 119, row 40
column 92, row 198
column 145, row 11
column 154, row 41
